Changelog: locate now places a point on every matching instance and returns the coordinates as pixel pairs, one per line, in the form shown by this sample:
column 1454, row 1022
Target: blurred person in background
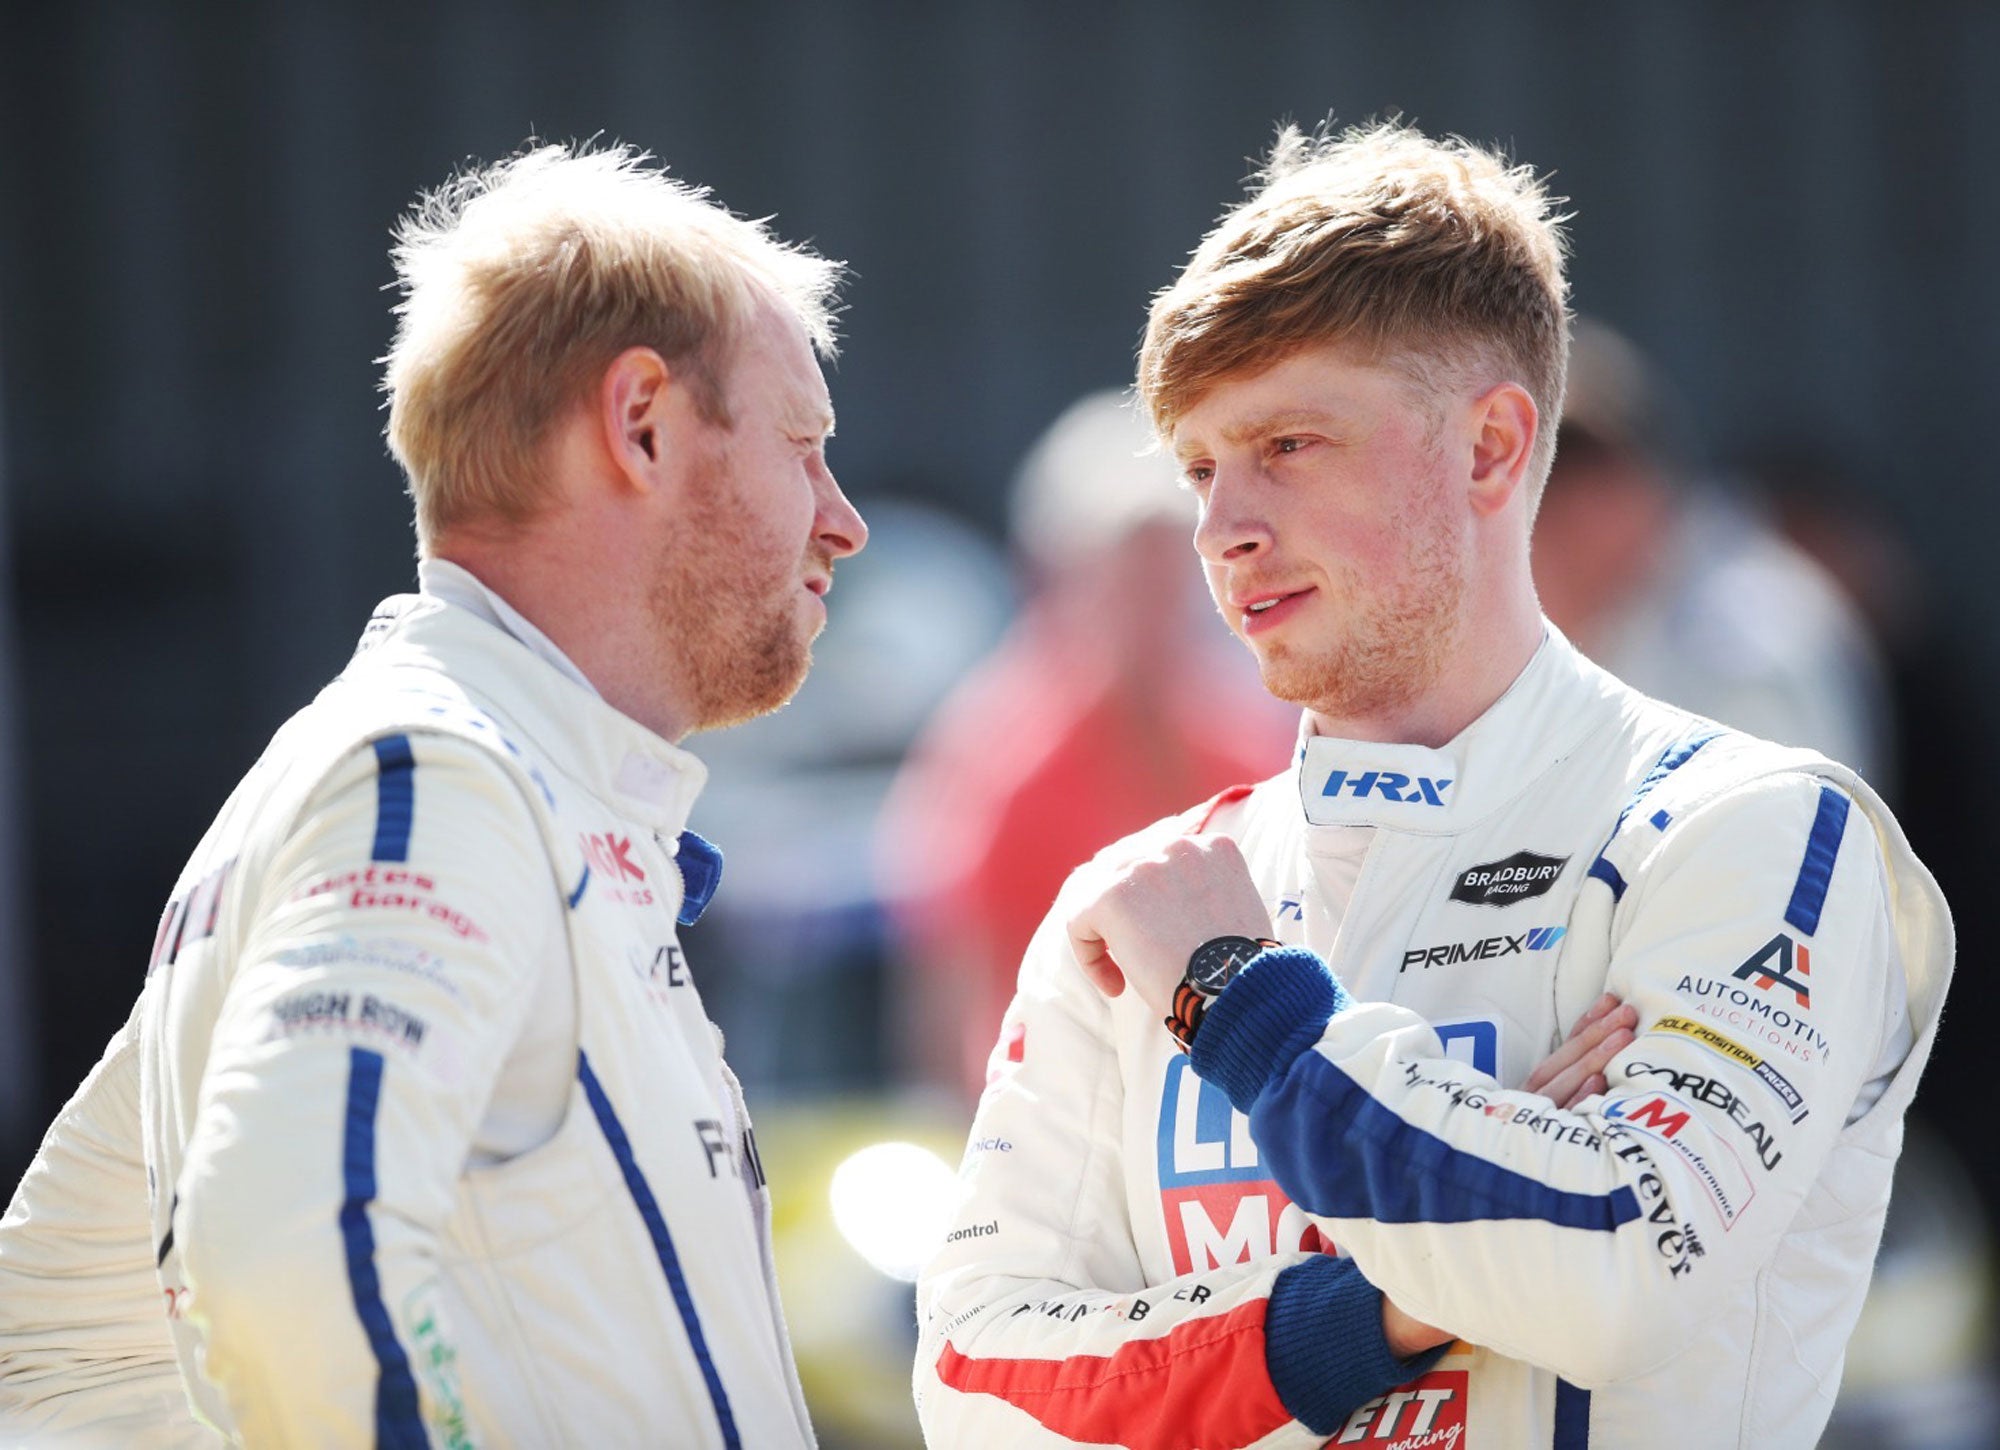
column 1114, row 698
column 1684, row 591
column 418, row 1132
column 1323, row 1013
column 1928, row 1378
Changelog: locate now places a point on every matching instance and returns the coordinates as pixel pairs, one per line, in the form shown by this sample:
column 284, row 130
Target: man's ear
column 1505, row 424
column 632, row 402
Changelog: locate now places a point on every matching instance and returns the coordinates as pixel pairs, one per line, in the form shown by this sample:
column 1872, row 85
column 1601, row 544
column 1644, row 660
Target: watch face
column 1215, row 964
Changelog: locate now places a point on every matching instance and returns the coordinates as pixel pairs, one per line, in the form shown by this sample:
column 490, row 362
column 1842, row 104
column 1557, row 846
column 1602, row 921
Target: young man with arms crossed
column 1482, row 835
column 418, row 1133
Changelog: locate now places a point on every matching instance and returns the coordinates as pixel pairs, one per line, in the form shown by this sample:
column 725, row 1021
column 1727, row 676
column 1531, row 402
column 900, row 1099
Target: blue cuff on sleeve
column 1323, row 1342
column 1275, row 1009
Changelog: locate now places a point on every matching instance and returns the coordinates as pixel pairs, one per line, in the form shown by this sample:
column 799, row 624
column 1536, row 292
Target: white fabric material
column 456, row 584
column 337, row 1084
column 1123, row 1178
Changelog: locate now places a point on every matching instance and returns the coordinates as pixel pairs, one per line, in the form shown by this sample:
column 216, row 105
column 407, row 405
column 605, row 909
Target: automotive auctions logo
column 1780, row 962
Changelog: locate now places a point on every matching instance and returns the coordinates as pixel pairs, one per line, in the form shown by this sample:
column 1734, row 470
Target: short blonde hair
column 521, row 282
column 1432, row 256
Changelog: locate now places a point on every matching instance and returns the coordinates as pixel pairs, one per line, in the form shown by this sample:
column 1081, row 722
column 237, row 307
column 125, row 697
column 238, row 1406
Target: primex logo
column 1534, row 939
column 1425, row 1414
column 1780, row 962
column 1219, row 1204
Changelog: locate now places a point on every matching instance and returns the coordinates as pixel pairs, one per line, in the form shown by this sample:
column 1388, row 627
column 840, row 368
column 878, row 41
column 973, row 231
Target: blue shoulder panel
column 1816, row 871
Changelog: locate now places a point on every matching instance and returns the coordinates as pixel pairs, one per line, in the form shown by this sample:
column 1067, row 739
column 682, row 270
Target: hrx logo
column 1780, row 961
column 1390, row 785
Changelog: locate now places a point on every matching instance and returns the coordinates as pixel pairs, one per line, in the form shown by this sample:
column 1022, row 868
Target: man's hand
column 1575, row 1070
column 1149, row 915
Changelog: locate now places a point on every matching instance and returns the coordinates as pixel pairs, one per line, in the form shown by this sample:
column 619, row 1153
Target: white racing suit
column 1138, row 1258
column 324, row 1178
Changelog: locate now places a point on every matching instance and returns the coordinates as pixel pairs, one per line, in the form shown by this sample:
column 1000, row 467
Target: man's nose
column 1231, row 528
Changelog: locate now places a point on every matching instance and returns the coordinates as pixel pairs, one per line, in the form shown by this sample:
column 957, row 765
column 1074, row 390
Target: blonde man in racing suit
column 418, row 1133
column 1339, row 1218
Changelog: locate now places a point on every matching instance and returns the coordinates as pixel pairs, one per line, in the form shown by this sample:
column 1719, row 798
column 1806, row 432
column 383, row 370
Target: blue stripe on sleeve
column 1671, row 760
column 395, row 798
column 1816, row 871
column 663, row 1243
column 1339, row 1153
column 398, row 1426
column 1604, row 871
column 1572, row 1418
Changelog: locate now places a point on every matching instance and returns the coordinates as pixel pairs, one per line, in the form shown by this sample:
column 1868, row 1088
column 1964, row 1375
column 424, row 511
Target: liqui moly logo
column 1220, row 1205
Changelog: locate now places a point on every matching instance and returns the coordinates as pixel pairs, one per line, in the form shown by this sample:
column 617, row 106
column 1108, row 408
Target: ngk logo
column 1425, row 1414
column 613, row 870
column 612, row 857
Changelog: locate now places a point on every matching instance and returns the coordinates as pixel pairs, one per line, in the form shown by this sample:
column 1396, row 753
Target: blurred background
column 1775, row 504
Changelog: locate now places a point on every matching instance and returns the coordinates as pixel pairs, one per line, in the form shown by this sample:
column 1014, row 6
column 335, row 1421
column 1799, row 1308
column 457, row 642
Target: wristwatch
column 1212, row 966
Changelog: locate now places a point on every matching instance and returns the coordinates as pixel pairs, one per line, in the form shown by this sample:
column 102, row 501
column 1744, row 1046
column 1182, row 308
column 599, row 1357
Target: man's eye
column 1289, row 445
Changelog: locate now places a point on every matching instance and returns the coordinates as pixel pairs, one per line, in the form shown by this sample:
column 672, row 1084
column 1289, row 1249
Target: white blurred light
column 890, row 1201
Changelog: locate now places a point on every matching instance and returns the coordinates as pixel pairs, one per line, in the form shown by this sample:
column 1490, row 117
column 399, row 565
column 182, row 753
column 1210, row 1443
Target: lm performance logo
column 1425, row 1414
column 1219, row 1205
column 1780, row 962
column 1391, row 785
column 1718, row 1170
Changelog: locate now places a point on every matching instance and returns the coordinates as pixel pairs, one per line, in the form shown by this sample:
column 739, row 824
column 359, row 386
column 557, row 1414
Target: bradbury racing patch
column 1519, row 877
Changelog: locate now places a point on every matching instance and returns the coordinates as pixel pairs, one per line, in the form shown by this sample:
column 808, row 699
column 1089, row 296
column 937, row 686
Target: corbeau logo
column 1774, row 964
column 1534, row 939
column 1390, row 785
column 1710, row 1093
column 1519, row 877
column 1219, row 1203
column 1425, row 1414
